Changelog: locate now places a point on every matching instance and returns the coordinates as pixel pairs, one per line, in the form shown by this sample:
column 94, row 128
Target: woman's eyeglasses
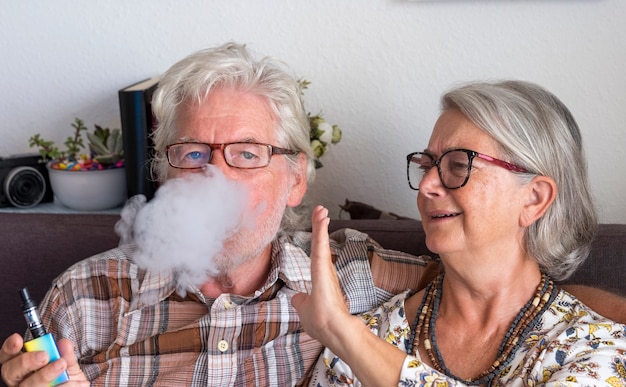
column 453, row 166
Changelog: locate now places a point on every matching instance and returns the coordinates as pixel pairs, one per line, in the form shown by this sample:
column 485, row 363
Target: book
column 137, row 124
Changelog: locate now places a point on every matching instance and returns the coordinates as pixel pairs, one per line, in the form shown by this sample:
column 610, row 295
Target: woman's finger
column 321, row 260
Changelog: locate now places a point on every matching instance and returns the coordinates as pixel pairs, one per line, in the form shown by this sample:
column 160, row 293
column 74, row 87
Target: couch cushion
column 604, row 268
column 38, row 247
column 606, row 265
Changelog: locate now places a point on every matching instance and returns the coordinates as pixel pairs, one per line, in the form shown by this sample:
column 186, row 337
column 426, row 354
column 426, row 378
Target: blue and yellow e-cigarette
column 41, row 341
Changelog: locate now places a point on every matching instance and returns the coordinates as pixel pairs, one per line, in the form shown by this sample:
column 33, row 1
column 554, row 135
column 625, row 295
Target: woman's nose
column 431, row 183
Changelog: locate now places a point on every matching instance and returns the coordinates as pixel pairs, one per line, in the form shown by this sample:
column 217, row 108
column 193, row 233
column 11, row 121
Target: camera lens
column 24, row 187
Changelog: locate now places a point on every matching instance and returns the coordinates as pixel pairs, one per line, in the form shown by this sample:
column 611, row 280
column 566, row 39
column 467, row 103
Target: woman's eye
column 458, row 168
column 425, row 168
column 459, row 165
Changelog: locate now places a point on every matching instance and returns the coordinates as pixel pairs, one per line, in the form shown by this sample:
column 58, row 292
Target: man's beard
column 248, row 242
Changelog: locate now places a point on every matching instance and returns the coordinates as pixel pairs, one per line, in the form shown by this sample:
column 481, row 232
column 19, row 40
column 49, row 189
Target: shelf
column 55, row 208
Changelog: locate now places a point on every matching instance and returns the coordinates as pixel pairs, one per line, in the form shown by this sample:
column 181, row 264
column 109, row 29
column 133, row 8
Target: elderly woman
column 505, row 203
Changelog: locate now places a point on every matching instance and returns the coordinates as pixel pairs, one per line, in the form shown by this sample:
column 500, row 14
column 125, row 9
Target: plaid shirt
column 131, row 328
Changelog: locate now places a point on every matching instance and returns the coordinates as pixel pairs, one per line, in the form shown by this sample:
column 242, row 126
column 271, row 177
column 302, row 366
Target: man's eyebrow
column 186, row 139
column 195, row 140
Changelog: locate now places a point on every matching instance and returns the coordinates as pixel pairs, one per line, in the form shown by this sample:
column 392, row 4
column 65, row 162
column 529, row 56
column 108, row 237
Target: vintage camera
column 25, row 181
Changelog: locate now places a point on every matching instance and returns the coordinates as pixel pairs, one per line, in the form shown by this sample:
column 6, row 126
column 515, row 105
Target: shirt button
column 222, row 346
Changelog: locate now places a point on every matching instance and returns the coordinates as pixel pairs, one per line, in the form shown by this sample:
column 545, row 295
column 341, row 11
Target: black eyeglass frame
column 470, row 155
column 271, row 149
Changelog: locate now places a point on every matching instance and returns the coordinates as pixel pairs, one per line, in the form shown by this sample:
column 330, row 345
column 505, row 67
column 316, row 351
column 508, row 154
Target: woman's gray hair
column 537, row 131
column 232, row 65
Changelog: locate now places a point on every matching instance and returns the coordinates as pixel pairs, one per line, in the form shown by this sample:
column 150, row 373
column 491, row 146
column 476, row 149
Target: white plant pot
column 89, row 190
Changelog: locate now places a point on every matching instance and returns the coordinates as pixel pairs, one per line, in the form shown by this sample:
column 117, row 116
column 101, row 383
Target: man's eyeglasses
column 453, row 166
column 243, row 155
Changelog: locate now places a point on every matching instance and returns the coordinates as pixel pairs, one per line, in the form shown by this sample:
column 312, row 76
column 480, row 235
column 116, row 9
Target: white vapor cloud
column 185, row 225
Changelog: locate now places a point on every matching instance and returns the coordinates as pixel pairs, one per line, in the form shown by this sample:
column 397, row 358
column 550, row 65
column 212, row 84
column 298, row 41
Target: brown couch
column 37, row 247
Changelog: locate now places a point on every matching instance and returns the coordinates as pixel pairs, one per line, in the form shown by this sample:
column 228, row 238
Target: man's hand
column 32, row 368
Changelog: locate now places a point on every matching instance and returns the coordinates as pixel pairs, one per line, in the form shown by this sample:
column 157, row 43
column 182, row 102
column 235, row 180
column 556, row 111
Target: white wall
column 377, row 66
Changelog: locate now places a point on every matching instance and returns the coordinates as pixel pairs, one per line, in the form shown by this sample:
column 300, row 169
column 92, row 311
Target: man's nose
column 218, row 160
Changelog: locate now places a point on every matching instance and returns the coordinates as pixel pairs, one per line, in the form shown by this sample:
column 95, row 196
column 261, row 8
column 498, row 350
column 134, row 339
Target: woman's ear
column 542, row 191
column 298, row 182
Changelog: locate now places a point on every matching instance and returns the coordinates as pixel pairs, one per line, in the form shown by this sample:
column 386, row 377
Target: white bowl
column 89, row 190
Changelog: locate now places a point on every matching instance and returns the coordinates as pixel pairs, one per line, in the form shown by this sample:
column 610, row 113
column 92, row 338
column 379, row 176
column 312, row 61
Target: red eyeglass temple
column 503, row 164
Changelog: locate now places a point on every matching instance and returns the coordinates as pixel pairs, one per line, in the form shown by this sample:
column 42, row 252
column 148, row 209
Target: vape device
column 41, row 341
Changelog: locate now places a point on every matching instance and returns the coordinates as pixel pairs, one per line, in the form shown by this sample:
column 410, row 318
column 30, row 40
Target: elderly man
column 122, row 323
column 245, row 117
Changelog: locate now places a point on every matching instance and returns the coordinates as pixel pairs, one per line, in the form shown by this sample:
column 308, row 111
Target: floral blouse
column 571, row 345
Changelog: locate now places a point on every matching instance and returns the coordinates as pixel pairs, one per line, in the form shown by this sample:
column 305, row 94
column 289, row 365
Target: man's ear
column 541, row 191
column 298, row 182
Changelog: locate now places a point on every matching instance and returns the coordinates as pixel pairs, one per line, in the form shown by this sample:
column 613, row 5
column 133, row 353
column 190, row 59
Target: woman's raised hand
column 322, row 310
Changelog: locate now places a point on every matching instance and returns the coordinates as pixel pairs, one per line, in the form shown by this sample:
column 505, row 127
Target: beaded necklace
column 523, row 323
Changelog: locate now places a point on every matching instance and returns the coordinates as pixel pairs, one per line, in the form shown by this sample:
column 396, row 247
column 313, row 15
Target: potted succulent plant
column 86, row 181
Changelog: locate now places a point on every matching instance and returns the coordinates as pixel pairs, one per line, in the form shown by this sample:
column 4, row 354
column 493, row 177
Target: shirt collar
column 289, row 259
